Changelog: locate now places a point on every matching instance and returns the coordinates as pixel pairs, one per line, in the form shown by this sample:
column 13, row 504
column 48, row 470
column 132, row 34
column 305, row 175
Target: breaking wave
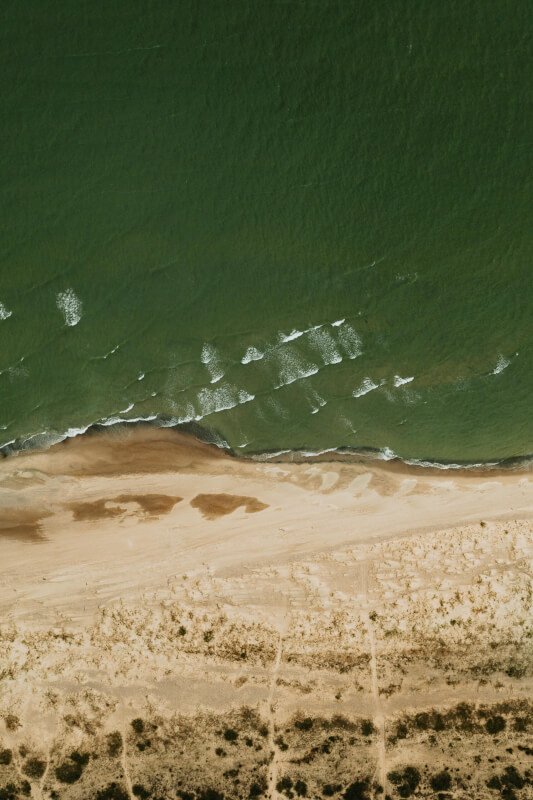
column 5, row 313
column 70, row 306
column 368, row 385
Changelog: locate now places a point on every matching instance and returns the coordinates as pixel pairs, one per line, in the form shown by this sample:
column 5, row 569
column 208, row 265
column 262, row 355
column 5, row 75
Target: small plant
column 441, row 782
column 113, row 791
column 304, row 724
column 406, row 780
column 358, row 790
column 495, row 725
column 69, row 772
column 34, row 768
column 114, row 744
column 140, row 791
column 137, row 725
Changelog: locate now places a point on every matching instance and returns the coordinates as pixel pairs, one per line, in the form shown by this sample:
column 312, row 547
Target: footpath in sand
column 176, row 623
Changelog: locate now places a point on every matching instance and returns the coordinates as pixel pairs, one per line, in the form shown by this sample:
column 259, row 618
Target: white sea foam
column 5, row 313
column 317, row 402
column 399, row 381
column 292, row 367
column 386, row 454
column 128, row 408
column 368, row 385
column 314, row 453
column 70, row 306
column 324, row 342
column 337, row 323
column 350, row 341
column 288, row 337
column 211, row 360
column 252, row 354
column 268, row 456
column 211, row 401
column 501, row 364
column 140, row 376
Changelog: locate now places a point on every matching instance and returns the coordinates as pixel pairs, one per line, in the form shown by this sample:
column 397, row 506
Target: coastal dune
column 176, row 622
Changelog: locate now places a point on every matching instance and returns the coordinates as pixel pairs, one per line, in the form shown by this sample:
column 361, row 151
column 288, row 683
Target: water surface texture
column 303, row 225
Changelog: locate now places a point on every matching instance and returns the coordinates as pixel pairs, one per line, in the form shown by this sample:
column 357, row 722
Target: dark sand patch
column 153, row 504
column 22, row 526
column 98, row 509
column 150, row 504
column 218, row 505
column 27, row 532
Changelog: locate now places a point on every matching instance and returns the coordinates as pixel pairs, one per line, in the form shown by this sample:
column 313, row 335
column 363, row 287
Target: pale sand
column 313, row 609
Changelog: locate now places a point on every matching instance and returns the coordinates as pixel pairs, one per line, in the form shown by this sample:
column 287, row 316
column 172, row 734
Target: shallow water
column 300, row 225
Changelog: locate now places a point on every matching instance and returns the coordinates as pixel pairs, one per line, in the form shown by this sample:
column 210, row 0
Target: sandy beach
column 176, row 622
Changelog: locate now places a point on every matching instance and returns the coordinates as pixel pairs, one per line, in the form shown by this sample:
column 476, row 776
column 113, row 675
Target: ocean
column 300, row 225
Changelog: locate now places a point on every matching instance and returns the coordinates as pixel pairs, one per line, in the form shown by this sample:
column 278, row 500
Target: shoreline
column 208, row 436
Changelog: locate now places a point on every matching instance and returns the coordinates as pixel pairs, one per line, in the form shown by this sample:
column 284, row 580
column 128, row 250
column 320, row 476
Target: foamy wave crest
column 211, row 401
column 252, row 354
column 211, row 360
column 292, row 367
column 386, row 454
column 317, row 402
column 288, row 337
column 368, row 385
column 324, row 342
column 70, row 306
column 5, row 313
column 350, row 340
column 399, row 381
column 337, row 323
column 501, row 364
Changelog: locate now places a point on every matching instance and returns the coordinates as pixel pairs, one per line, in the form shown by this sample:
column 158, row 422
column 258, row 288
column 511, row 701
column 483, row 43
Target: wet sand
column 179, row 623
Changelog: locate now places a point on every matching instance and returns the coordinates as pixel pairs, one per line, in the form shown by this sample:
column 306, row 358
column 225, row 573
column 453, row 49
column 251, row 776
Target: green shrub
column 34, row 768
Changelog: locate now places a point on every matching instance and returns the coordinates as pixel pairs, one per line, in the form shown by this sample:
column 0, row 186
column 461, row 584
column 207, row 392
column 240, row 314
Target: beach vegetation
column 113, row 791
column 6, row 757
column 441, row 782
column 330, row 789
column 139, row 791
column 114, row 744
column 495, row 724
column 34, row 768
column 210, row 794
column 405, row 781
column 9, row 792
column 358, row 790
column 422, row 720
column 138, row 725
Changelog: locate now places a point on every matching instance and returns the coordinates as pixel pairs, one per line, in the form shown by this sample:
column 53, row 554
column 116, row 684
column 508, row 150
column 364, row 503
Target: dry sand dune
column 179, row 623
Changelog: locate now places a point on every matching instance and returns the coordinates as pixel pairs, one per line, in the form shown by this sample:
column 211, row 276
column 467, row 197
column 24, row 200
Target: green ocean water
column 264, row 217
